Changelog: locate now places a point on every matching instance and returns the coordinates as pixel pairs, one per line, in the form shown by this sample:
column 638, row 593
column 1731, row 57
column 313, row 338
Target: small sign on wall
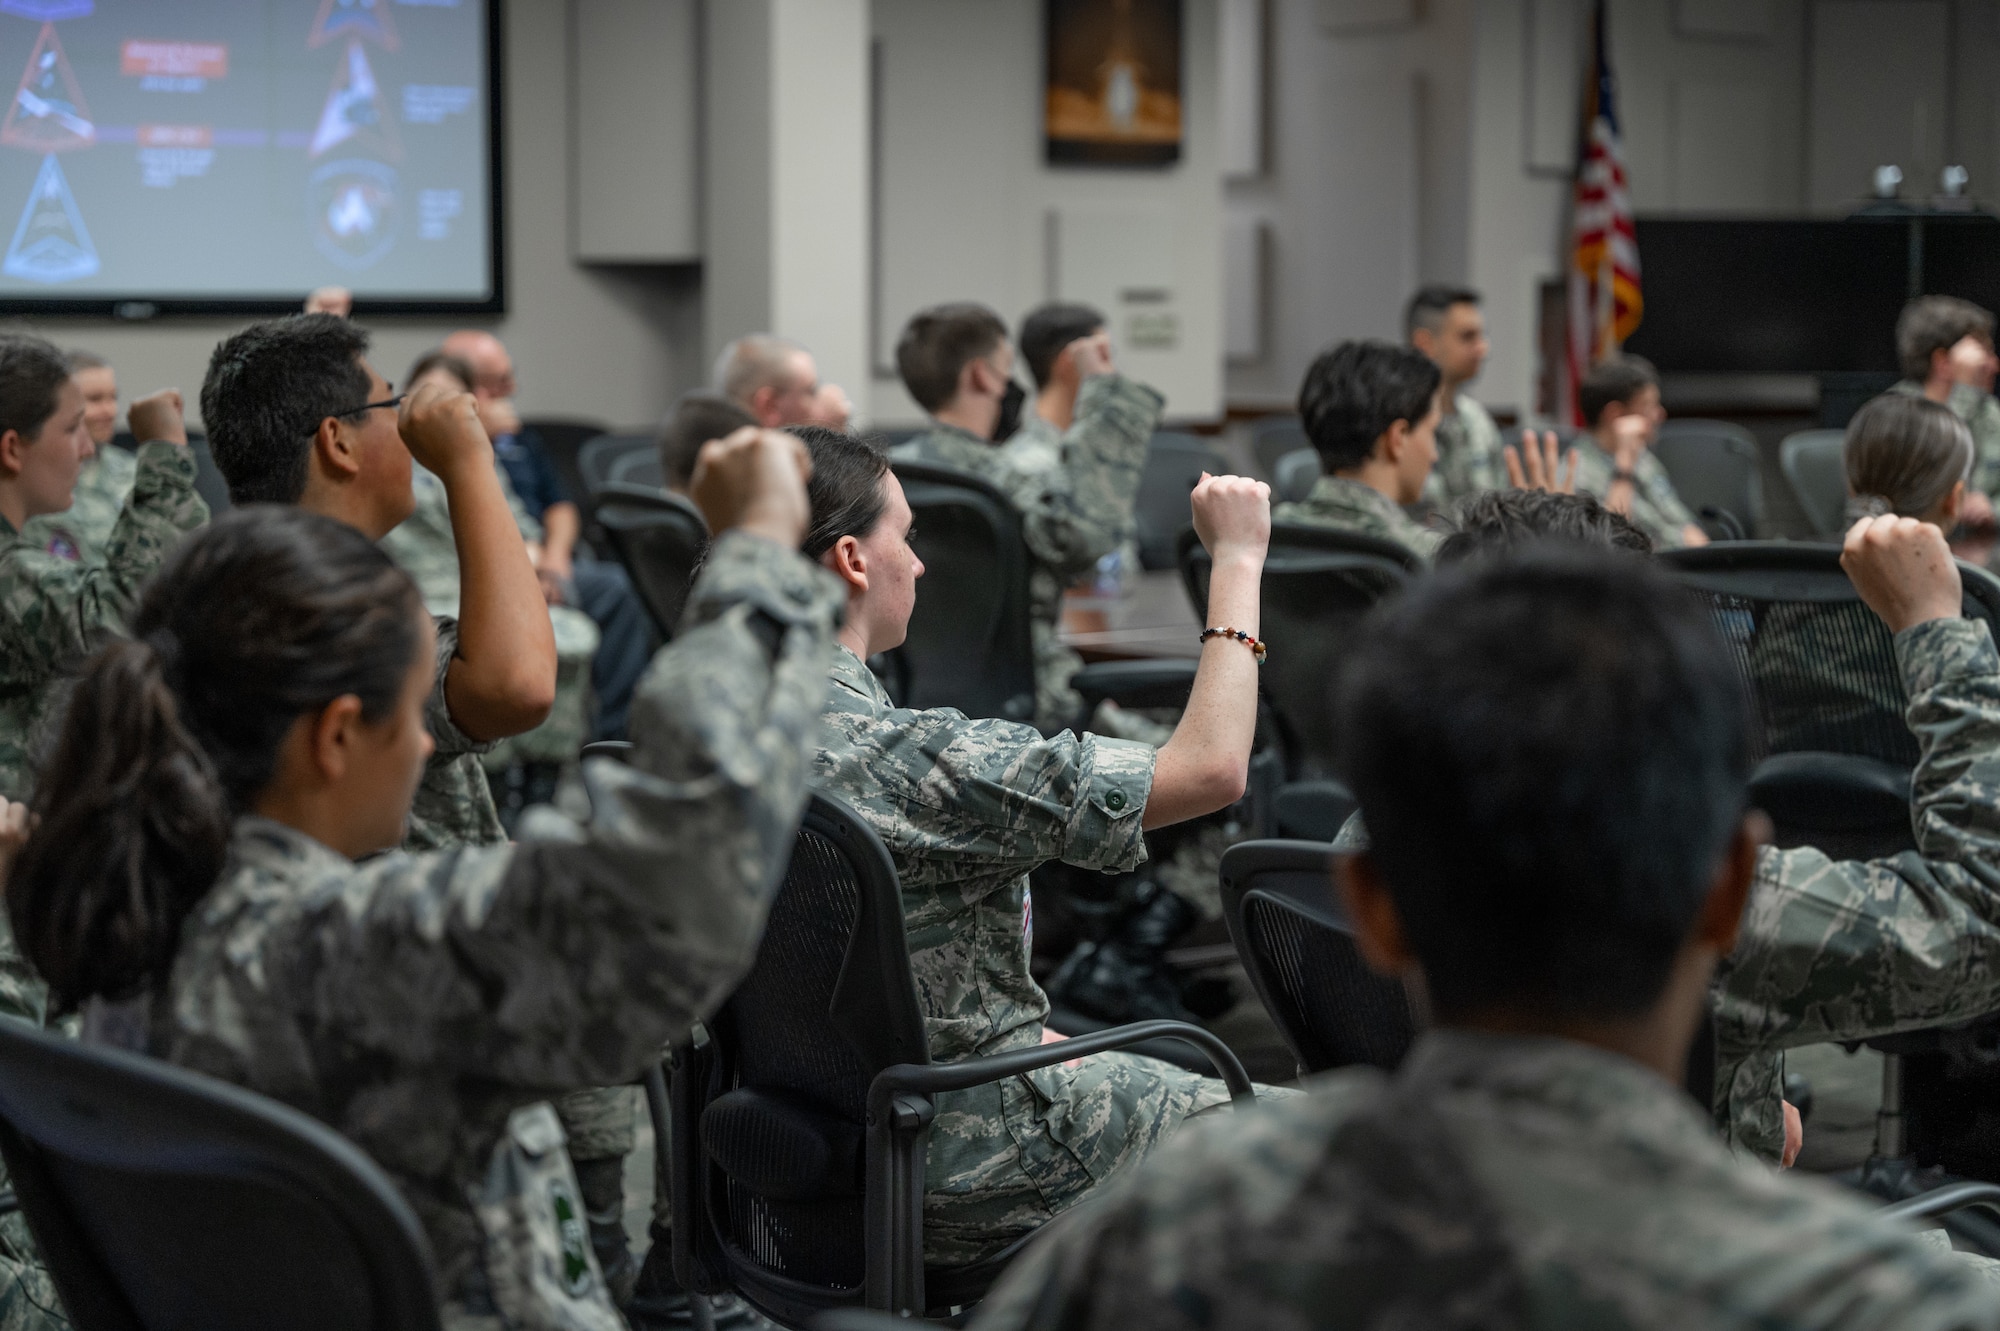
column 1113, row 82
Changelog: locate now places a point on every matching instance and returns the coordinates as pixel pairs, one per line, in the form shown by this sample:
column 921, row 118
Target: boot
column 1125, row 978
column 658, row 1302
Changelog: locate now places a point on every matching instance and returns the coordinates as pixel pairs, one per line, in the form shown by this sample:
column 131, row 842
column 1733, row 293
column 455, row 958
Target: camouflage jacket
column 1656, row 509
column 453, row 805
column 1336, row 501
column 1981, row 414
column 1072, row 514
column 1493, row 1181
column 56, row 611
column 1849, row 950
column 82, row 530
column 423, row 1004
column 1469, row 458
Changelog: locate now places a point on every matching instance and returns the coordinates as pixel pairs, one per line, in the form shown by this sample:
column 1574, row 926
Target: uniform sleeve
column 58, row 609
column 571, row 958
column 1659, row 491
column 1984, row 421
column 998, row 795
column 1842, row 950
column 1074, row 515
column 451, row 742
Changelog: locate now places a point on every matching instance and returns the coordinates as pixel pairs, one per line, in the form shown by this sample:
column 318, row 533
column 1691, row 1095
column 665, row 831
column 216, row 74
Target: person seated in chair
column 82, row 530
column 1551, row 750
column 696, row 418
column 968, row 807
column 1371, row 411
column 1945, row 348
column 1445, row 323
column 957, row 363
column 1620, row 401
column 214, row 879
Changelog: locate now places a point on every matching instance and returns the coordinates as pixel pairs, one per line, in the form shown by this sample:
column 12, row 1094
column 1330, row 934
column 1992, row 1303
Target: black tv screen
column 1755, row 296
column 230, row 155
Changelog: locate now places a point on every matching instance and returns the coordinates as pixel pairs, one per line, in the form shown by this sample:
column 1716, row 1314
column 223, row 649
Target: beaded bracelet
column 1256, row 645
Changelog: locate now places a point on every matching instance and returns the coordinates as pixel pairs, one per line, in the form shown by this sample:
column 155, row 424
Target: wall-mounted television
column 227, row 156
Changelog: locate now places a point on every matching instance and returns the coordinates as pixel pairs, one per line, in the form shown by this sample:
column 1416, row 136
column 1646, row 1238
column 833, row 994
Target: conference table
column 1150, row 617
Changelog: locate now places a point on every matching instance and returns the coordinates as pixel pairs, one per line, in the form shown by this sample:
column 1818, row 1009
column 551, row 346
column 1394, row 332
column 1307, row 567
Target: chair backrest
column 1272, row 438
column 208, row 481
column 1295, row 941
column 641, row 466
column 1818, row 666
column 1174, row 464
column 1714, row 465
column 1817, row 473
column 828, row 1004
column 166, row 1200
column 1318, row 584
column 1296, row 474
column 969, row 643
column 601, row 455
column 563, row 439
column 660, row 539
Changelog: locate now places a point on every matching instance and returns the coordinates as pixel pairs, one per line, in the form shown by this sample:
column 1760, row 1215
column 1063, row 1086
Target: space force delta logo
column 355, row 210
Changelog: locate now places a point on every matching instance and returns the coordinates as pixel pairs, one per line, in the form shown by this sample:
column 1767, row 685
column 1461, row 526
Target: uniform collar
column 1343, row 493
column 850, row 672
column 257, row 842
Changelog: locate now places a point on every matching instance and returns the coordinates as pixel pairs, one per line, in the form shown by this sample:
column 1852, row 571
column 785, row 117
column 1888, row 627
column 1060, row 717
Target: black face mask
column 1010, row 412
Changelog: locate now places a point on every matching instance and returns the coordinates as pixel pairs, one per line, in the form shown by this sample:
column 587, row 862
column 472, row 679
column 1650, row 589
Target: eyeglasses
column 395, row 401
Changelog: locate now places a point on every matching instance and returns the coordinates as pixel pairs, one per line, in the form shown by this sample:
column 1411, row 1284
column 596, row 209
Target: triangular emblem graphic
column 48, row 112
column 50, row 243
column 354, row 116
column 365, row 20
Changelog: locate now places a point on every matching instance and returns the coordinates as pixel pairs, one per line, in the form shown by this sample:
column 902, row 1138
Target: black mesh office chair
column 660, row 539
column 799, row 1131
column 1318, row 584
column 1815, row 469
column 1174, row 464
column 1294, row 939
column 1274, row 437
column 162, row 1200
column 600, row 457
column 1716, row 471
column 968, row 645
column 563, row 438
column 641, row 466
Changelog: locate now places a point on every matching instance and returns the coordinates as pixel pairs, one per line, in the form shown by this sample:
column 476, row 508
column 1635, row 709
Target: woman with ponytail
column 1908, row 456
column 207, row 880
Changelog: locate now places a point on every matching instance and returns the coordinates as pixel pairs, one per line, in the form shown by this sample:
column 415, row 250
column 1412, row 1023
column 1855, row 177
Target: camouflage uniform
column 1072, row 514
column 967, row 808
column 1492, row 1181
column 1469, row 461
column 28, row 1300
column 55, row 611
column 424, row 1005
column 82, row 530
column 1847, row 950
column 1336, row 501
column 1656, row 509
column 1981, row 415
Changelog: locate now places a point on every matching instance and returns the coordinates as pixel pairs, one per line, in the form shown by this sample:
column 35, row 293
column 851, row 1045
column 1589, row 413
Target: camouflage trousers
column 1006, row 1159
column 28, row 1299
column 601, row 1123
column 558, row 739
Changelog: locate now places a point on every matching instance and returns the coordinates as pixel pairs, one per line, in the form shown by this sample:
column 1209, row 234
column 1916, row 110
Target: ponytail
column 133, row 827
column 268, row 615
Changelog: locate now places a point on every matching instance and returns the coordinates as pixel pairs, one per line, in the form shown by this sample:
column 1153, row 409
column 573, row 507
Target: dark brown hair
column 267, row 615
column 1903, row 454
column 697, row 418
column 846, row 486
column 939, row 342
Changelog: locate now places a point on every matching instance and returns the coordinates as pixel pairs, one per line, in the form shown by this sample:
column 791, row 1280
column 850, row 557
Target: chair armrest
column 934, row 1078
column 1155, row 683
column 618, row 750
column 1943, row 1201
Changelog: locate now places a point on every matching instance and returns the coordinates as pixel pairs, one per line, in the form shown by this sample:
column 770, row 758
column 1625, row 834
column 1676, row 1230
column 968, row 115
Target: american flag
column 1604, row 299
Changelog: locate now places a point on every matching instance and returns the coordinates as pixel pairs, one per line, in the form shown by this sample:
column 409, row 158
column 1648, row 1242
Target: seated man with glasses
column 297, row 415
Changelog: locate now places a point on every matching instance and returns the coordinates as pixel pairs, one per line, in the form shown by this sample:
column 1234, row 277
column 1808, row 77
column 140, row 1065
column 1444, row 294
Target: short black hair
column 1048, row 329
column 266, row 392
column 697, row 418
column 939, row 342
column 845, row 491
column 1355, row 392
column 1936, row 323
column 1618, row 378
column 1429, row 306
column 1507, row 520
column 32, row 375
column 1551, row 751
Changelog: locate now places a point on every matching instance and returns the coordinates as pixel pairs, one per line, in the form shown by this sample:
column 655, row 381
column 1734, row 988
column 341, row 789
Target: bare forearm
column 504, row 678
column 1205, row 765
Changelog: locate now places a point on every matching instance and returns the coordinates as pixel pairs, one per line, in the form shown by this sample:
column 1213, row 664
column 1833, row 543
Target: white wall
column 965, row 200
column 614, row 343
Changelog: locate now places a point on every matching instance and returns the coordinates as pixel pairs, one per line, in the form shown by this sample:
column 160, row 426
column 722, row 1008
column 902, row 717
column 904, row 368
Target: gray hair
column 751, row 362
column 1903, row 454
